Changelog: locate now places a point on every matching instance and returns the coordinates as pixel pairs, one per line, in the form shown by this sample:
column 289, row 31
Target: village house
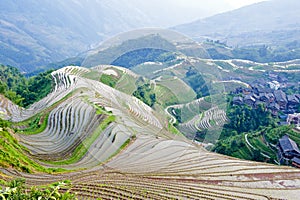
column 264, row 97
column 275, row 85
column 293, row 101
column 274, row 108
column 249, row 100
column 287, row 150
column 237, row 100
column 280, row 98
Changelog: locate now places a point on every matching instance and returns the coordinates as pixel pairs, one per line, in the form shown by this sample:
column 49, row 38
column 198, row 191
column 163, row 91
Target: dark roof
column 280, row 96
column 296, row 160
column 264, row 90
column 255, row 96
column 292, row 98
column 264, row 96
column 247, row 89
column 249, row 97
column 288, row 145
column 237, row 99
column 274, row 106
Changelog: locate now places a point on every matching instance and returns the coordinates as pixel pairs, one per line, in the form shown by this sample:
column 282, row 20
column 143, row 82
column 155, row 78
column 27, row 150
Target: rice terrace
column 93, row 105
column 111, row 145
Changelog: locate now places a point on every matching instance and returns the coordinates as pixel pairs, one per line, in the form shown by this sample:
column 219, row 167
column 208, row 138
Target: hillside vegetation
column 253, row 124
column 14, row 155
column 21, row 90
column 16, row 189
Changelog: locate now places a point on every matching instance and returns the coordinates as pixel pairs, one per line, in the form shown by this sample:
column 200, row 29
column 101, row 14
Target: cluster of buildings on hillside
column 280, row 104
column 274, row 99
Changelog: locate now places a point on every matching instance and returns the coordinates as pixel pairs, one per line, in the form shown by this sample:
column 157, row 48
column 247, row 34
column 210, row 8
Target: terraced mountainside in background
column 194, row 89
column 118, row 147
column 135, row 45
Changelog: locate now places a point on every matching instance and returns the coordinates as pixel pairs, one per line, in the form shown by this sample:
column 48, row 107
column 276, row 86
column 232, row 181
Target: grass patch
column 147, row 69
column 183, row 92
column 93, row 75
column 126, row 84
column 165, row 96
column 101, row 110
column 257, row 143
column 16, row 189
column 35, row 125
column 224, row 65
column 173, row 130
column 212, row 122
column 12, row 154
column 109, row 80
column 243, row 153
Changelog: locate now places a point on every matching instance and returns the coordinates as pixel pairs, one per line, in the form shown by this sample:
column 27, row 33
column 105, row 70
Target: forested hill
column 21, row 90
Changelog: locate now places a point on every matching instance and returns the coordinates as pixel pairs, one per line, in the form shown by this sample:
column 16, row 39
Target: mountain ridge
column 33, row 33
column 262, row 17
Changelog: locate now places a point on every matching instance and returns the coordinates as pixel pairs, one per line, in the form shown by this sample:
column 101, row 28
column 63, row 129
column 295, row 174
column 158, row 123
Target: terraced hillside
column 116, row 147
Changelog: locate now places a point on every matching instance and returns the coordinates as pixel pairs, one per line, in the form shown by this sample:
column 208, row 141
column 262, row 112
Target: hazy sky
column 176, row 12
column 240, row 3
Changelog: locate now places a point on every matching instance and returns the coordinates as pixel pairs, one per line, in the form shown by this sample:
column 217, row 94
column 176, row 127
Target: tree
column 257, row 155
column 145, row 94
column 22, row 91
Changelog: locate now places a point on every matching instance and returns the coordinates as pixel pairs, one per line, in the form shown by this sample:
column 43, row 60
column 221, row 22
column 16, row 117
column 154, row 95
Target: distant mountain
column 273, row 22
column 144, row 45
column 35, row 33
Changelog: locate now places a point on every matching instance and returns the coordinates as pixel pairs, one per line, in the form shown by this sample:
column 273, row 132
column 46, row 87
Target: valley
column 97, row 101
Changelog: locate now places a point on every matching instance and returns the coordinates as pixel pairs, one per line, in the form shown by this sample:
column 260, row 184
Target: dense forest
column 243, row 118
column 21, row 90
